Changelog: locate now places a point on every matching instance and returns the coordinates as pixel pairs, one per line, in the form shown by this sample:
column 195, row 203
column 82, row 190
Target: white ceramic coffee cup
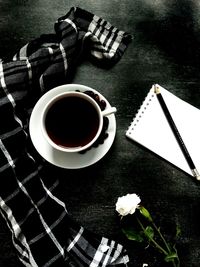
column 84, row 97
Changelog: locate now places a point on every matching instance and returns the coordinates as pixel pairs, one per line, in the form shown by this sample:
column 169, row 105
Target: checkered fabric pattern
column 42, row 238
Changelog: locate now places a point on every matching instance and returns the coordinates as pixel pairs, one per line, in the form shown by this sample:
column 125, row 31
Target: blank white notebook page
column 151, row 129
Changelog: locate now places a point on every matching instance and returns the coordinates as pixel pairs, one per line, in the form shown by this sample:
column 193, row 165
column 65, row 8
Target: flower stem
column 161, row 236
column 151, row 239
column 158, row 245
column 165, row 243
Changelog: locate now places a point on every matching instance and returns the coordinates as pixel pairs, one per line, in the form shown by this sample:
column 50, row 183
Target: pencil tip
column 156, row 89
column 196, row 174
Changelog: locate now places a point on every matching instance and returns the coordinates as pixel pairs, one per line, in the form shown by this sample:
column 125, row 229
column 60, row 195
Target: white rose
column 127, row 204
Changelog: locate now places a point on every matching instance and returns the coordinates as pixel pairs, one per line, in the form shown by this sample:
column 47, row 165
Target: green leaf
column 145, row 213
column 178, row 230
column 133, row 235
column 171, row 256
column 149, row 232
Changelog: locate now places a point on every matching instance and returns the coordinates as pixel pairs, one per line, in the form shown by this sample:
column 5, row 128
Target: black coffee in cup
column 72, row 122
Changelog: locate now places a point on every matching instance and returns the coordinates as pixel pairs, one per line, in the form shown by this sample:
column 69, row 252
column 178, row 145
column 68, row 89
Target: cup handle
column 108, row 111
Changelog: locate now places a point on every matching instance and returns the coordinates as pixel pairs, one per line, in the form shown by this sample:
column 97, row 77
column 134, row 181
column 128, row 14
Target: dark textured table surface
column 165, row 50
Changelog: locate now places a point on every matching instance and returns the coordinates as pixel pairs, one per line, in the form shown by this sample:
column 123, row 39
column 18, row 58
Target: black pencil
column 176, row 132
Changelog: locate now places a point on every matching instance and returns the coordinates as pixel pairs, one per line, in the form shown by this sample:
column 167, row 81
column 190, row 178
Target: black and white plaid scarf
column 40, row 238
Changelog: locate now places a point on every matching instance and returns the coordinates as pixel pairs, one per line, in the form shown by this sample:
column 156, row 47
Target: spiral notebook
column 151, row 129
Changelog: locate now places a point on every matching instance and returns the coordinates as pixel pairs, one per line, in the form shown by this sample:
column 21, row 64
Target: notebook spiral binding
column 141, row 111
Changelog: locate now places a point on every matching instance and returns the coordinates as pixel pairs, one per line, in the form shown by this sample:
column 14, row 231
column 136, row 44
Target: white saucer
column 63, row 159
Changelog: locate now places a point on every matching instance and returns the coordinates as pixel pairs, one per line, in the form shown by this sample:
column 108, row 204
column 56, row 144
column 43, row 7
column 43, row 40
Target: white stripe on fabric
column 9, row 96
column 41, row 82
column 50, row 51
column 10, row 133
column 121, row 260
column 1, row 69
column 15, row 229
column 116, row 38
column 23, row 52
column 105, row 32
column 93, row 23
column 46, row 227
column 125, row 259
column 118, row 251
column 3, row 84
column 71, row 23
column 108, row 253
column 16, row 191
column 53, row 197
column 47, row 231
column 15, row 58
column 75, row 240
column 117, row 41
column 39, row 167
column 64, row 57
column 92, row 27
column 6, row 166
column 7, row 155
column 99, row 253
column 88, row 34
column 52, row 260
column 96, row 44
column 99, row 44
column 97, row 54
column 30, row 74
column 39, row 203
column 83, row 254
column 103, row 37
column 111, row 38
column 20, row 123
